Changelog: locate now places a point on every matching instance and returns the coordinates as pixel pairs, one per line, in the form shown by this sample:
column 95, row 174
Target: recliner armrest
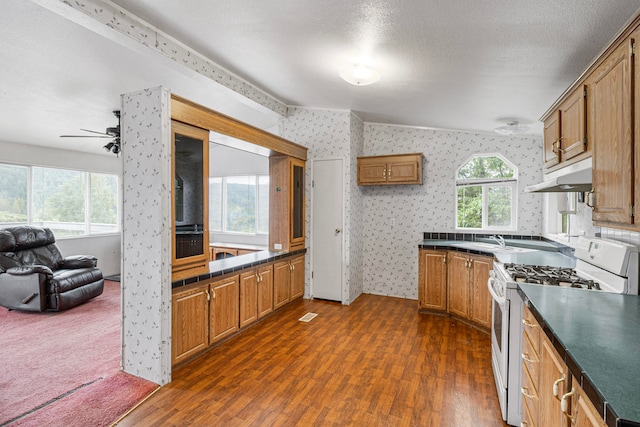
column 30, row 269
column 79, row 261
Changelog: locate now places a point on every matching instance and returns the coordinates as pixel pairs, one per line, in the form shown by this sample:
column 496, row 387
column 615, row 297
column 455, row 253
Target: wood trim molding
column 194, row 114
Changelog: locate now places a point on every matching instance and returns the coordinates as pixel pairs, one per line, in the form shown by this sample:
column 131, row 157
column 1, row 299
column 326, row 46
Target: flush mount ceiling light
column 513, row 127
column 359, row 75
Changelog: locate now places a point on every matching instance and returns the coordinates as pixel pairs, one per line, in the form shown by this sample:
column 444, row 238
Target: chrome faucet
column 499, row 239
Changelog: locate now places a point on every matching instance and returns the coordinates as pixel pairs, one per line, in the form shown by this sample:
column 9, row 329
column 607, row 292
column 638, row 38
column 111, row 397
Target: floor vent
column 308, row 317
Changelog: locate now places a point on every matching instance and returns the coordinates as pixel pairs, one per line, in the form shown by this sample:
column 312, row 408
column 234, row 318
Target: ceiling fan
column 111, row 132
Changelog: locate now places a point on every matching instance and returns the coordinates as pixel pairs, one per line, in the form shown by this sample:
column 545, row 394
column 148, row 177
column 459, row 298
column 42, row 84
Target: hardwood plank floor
column 377, row 362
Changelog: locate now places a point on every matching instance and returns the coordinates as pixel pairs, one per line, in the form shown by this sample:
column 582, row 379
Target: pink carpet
column 66, row 364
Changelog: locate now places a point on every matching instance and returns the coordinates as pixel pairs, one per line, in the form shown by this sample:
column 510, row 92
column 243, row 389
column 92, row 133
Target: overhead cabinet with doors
column 393, row 169
column 602, row 109
column 565, row 132
column 286, row 203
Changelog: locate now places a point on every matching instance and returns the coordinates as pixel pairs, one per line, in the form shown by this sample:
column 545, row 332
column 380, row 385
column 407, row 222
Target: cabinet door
column 248, row 298
column 432, row 274
column 480, row 310
column 189, row 323
column 190, row 207
column 583, row 412
column 265, row 291
column 553, row 377
column 371, row 171
column 552, row 140
column 297, row 207
column 403, row 170
column 573, row 125
column 612, row 122
column 458, row 273
column 297, row 277
column 223, row 313
column 281, row 283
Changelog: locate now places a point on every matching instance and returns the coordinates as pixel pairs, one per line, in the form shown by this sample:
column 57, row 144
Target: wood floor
column 377, row 362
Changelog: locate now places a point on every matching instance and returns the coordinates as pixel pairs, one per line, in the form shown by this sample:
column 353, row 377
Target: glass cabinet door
column 297, row 201
column 190, row 178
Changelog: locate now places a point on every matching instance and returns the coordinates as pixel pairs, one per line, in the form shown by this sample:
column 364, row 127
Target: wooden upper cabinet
column 432, row 274
column 190, row 194
column 573, row 125
column 551, row 140
column 286, row 203
column 612, row 123
column 565, row 131
column 390, row 170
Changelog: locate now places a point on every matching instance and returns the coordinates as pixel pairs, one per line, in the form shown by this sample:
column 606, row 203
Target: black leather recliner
column 35, row 277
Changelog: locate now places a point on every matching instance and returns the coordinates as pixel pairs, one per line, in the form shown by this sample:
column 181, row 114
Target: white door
column 326, row 249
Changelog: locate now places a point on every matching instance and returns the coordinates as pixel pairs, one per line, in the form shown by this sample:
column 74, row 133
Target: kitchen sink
column 490, row 247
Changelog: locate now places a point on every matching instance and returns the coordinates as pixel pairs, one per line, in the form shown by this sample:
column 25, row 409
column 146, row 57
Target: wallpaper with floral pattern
column 146, row 234
column 395, row 217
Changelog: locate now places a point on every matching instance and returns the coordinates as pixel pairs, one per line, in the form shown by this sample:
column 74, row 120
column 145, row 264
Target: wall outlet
column 277, row 246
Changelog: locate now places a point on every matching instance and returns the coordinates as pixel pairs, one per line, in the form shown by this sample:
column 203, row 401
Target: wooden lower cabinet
column 432, row 278
column 256, row 294
column 190, row 323
column 297, row 277
column 546, row 383
column 467, row 296
column 248, row 297
column 265, row 290
column 583, row 412
column 223, row 308
column 281, row 283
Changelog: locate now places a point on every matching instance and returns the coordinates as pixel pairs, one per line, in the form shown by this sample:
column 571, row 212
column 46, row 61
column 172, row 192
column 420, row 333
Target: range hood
column 573, row 178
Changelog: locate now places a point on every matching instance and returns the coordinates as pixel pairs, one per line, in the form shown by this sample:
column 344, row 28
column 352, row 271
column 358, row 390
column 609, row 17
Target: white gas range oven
column 602, row 265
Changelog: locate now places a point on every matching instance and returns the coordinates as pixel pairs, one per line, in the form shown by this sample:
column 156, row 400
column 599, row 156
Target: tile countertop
column 597, row 335
column 536, row 257
column 237, row 263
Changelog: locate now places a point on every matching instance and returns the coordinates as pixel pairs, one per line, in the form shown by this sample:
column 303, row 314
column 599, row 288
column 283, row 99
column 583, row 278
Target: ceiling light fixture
column 512, row 128
column 359, row 75
column 113, row 146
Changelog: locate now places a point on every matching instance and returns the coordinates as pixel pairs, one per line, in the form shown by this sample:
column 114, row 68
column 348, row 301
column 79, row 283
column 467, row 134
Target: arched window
column 486, row 193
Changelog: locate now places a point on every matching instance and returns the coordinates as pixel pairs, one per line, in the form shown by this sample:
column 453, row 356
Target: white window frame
column 486, row 183
column 87, row 200
column 223, row 211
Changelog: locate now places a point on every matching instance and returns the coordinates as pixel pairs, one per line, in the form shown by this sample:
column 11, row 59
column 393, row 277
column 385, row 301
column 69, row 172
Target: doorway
column 327, row 230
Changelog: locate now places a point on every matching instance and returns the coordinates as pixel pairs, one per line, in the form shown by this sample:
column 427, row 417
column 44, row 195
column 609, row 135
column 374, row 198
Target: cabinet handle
column 213, row 294
column 384, row 173
column 444, row 259
column 258, row 278
column 293, row 267
column 554, row 146
column 528, row 324
column 556, row 386
column 389, row 173
column 525, row 356
column 525, row 393
column 588, row 199
column 208, row 296
column 564, row 404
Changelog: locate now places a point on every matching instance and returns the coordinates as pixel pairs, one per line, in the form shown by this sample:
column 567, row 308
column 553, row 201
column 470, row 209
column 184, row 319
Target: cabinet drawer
column 531, row 329
column 531, row 360
column 529, row 392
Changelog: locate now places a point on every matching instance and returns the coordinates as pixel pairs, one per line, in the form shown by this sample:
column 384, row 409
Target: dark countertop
column 237, row 263
column 598, row 336
column 537, row 257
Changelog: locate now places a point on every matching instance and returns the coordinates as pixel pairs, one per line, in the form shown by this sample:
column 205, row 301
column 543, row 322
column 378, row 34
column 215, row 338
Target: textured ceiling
column 449, row 64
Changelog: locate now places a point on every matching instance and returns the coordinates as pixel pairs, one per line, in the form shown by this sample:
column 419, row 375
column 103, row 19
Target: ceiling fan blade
column 93, row 131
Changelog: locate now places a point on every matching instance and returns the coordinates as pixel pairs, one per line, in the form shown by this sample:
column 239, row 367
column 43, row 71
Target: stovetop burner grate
column 545, row 275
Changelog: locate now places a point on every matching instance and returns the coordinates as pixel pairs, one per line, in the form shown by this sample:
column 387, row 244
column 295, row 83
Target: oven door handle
column 500, row 300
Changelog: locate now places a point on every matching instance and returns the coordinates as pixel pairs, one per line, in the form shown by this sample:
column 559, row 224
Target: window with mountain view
column 239, row 204
column 70, row 202
column 486, row 193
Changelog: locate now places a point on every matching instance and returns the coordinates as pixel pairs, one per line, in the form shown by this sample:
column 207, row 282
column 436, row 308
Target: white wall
column 107, row 247
column 396, row 216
